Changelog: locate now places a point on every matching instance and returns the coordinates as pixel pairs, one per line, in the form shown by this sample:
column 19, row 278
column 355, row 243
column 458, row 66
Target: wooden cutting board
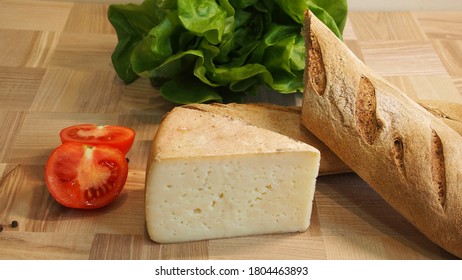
column 55, row 71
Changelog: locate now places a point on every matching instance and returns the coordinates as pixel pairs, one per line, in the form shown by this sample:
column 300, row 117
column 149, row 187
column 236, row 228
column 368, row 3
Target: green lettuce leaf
column 217, row 50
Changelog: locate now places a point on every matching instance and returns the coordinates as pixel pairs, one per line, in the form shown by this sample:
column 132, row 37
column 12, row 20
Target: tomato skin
column 117, row 136
column 85, row 177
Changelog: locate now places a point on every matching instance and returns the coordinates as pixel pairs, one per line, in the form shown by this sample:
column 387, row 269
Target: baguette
column 411, row 157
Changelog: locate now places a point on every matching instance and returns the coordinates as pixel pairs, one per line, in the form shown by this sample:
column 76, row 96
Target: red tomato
column 112, row 135
column 86, row 177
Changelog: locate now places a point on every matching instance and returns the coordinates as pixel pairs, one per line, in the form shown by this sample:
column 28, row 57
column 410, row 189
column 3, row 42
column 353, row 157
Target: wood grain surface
column 55, row 71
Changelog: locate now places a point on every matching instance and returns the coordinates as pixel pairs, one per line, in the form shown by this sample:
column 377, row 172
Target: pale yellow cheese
column 210, row 176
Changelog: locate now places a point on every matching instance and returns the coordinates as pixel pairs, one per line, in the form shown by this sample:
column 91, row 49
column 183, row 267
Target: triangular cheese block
column 211, row 176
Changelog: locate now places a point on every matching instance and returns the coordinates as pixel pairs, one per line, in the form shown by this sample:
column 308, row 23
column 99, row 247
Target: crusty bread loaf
column 408, row 155
column 280, row 119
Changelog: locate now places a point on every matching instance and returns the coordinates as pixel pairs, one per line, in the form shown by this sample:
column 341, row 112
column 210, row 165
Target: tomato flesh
column 84, row 176
column 116, row 136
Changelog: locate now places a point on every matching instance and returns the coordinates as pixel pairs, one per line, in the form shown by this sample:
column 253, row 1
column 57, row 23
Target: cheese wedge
column 211, row 176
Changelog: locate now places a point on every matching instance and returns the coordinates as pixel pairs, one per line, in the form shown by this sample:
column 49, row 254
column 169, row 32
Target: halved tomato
column 86, row 177
column 116, row 136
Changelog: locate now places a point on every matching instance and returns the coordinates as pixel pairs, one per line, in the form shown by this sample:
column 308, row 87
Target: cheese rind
column 284, row 120
column 245, row 181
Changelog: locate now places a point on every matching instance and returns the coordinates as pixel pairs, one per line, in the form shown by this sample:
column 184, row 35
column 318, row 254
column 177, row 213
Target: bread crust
column 408, row 155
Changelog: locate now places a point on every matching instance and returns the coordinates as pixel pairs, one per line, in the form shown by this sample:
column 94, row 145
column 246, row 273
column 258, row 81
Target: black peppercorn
column 14, row 224
column 1, row 228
